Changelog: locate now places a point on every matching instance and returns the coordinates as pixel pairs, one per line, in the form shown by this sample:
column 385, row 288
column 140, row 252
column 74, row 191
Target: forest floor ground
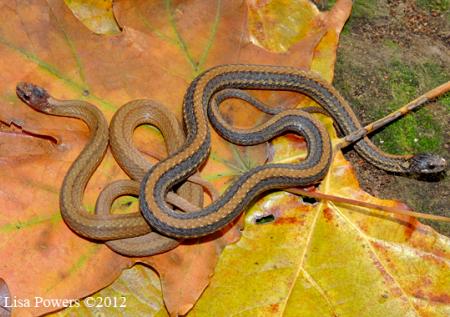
column 390, row 52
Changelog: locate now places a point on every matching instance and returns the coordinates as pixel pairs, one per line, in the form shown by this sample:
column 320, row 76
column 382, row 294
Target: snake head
column 427, row 164
column 34, row 96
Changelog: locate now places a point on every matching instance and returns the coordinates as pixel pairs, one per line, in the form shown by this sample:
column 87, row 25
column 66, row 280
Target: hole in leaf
column 265, row 219
column 309, row 200
column 127, row 204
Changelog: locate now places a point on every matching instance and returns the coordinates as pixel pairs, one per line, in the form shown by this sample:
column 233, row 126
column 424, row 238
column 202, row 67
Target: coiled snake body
column 199, row 102
column 105, row 226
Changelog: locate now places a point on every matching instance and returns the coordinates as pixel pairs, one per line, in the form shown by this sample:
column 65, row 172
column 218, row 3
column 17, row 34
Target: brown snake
column 184, row 162
column 122, row 126
column 105, row 226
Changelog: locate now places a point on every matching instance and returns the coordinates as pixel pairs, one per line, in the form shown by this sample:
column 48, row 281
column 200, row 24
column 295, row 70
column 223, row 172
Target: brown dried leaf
column 162, row 47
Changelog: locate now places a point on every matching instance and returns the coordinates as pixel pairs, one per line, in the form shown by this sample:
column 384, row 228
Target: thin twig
column 360, row 133
column 364, row 204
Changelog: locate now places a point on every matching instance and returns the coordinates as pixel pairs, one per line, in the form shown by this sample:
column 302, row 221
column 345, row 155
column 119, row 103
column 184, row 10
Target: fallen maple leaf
column 330, row 259
column 162, row 47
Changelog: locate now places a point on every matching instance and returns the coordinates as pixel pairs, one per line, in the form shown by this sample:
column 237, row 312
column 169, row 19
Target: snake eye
column 428, row 163
column 38, row 92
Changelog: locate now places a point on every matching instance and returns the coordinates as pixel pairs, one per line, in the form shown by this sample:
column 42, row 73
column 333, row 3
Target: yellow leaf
column 277, row 25
column 96, row 15
column 137, row 292
column 330, row 260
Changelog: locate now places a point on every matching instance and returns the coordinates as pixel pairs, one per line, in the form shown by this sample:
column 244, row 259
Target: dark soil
column 390, row 52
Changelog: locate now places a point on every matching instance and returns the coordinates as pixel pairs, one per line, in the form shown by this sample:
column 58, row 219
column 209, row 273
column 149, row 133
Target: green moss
column 417, row 132
column 379, row 76
column 365, row 9
column 397, row 84
column 362, row 9
column 390, row 44
column 445, row 100
column 434, row 5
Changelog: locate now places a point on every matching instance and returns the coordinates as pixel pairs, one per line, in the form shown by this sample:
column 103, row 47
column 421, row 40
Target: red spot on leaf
column 364, row 226
column 409, row 229
column 289, row 220
column 390, row 282
column 440, row 298
column 297, row 142
column 328, row 214
column 275, row 308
